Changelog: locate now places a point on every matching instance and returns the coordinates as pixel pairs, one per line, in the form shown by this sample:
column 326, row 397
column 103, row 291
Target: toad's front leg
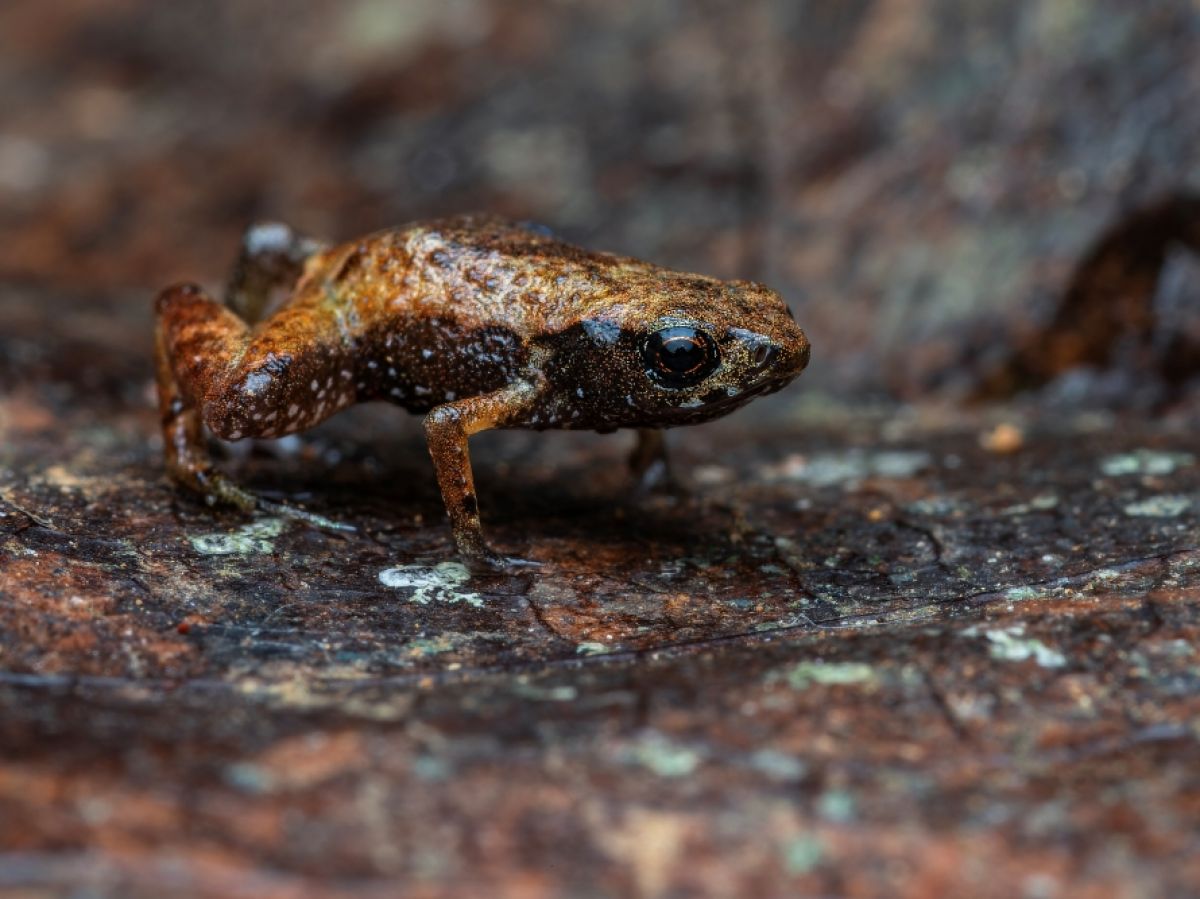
column 447, row 429
column 651, row 465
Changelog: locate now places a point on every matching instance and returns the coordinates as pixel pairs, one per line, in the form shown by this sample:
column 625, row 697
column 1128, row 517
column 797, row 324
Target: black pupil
column 682, row 353
column 680, row 356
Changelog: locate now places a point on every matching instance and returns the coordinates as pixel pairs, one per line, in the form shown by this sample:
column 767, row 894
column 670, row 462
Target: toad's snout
column 775, row 357
column 801, row 352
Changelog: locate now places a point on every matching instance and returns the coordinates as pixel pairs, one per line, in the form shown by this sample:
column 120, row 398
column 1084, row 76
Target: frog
column 474, row 321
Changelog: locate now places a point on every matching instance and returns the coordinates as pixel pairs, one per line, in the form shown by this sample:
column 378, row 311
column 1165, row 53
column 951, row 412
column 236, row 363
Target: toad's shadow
column 532, row 488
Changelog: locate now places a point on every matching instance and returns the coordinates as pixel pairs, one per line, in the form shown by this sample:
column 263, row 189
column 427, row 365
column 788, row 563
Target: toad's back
column 449, row 308
column 478, row 269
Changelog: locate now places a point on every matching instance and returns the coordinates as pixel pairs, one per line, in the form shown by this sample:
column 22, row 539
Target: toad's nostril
column 764, row 354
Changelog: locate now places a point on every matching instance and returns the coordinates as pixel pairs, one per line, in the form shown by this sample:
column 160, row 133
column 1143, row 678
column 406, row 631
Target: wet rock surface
column 864, row 654
column 886, row 645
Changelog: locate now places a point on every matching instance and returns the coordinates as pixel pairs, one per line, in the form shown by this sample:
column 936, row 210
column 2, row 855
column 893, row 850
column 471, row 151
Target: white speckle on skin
column 256, row 382
column 314, row 385
column 425, row 354
column 234, row 435
column 292, row 410
column 579, row 392
column 605, row 333
column 442, row 583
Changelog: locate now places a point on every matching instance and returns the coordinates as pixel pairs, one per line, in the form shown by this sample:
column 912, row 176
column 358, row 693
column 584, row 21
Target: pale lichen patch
column 1168, row 506
column 805, row 674
column 255, row 537
column 1009, row 644
column 658, row 753
column 442, row 583
column 1145, row 462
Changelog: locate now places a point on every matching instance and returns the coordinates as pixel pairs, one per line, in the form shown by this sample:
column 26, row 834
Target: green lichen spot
column 441, row 583
column 805, row 674
column 423, row 647
column 776, row 765
column 560, row 693
column 849, row 469
column 802, row 854
column 1159, row 507
column 591, row 648
column 430, row 768
column 659, row 754
column 1043, row 502
column 837, row 806
column 1021, row 593
column 256, row 537
column 1010, row 645
column 1145, row 462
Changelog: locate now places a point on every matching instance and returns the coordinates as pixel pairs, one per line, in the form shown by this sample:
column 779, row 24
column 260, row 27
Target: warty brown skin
column 475, row 322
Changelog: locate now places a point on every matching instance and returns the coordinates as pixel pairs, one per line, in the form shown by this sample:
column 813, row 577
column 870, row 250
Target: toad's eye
column 680, row 356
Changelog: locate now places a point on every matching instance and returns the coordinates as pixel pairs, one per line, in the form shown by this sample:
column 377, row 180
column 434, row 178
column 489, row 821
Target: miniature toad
column 473, row 321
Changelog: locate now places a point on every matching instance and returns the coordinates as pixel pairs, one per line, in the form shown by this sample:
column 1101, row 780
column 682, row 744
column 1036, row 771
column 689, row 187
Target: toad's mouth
column 772, row 384
column 720, row 402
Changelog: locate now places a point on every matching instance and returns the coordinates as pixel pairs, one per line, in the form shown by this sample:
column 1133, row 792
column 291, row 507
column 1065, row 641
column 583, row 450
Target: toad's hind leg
column 270, row 262
column 211, row 370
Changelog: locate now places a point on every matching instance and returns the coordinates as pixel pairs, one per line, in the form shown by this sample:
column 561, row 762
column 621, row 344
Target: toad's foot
column 488, row 562
column 657, row 479
column 218, row 489
column 318, row 521
column 651, row 466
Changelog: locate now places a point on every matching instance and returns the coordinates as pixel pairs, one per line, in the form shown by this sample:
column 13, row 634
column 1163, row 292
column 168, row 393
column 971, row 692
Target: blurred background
column 920, row 178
